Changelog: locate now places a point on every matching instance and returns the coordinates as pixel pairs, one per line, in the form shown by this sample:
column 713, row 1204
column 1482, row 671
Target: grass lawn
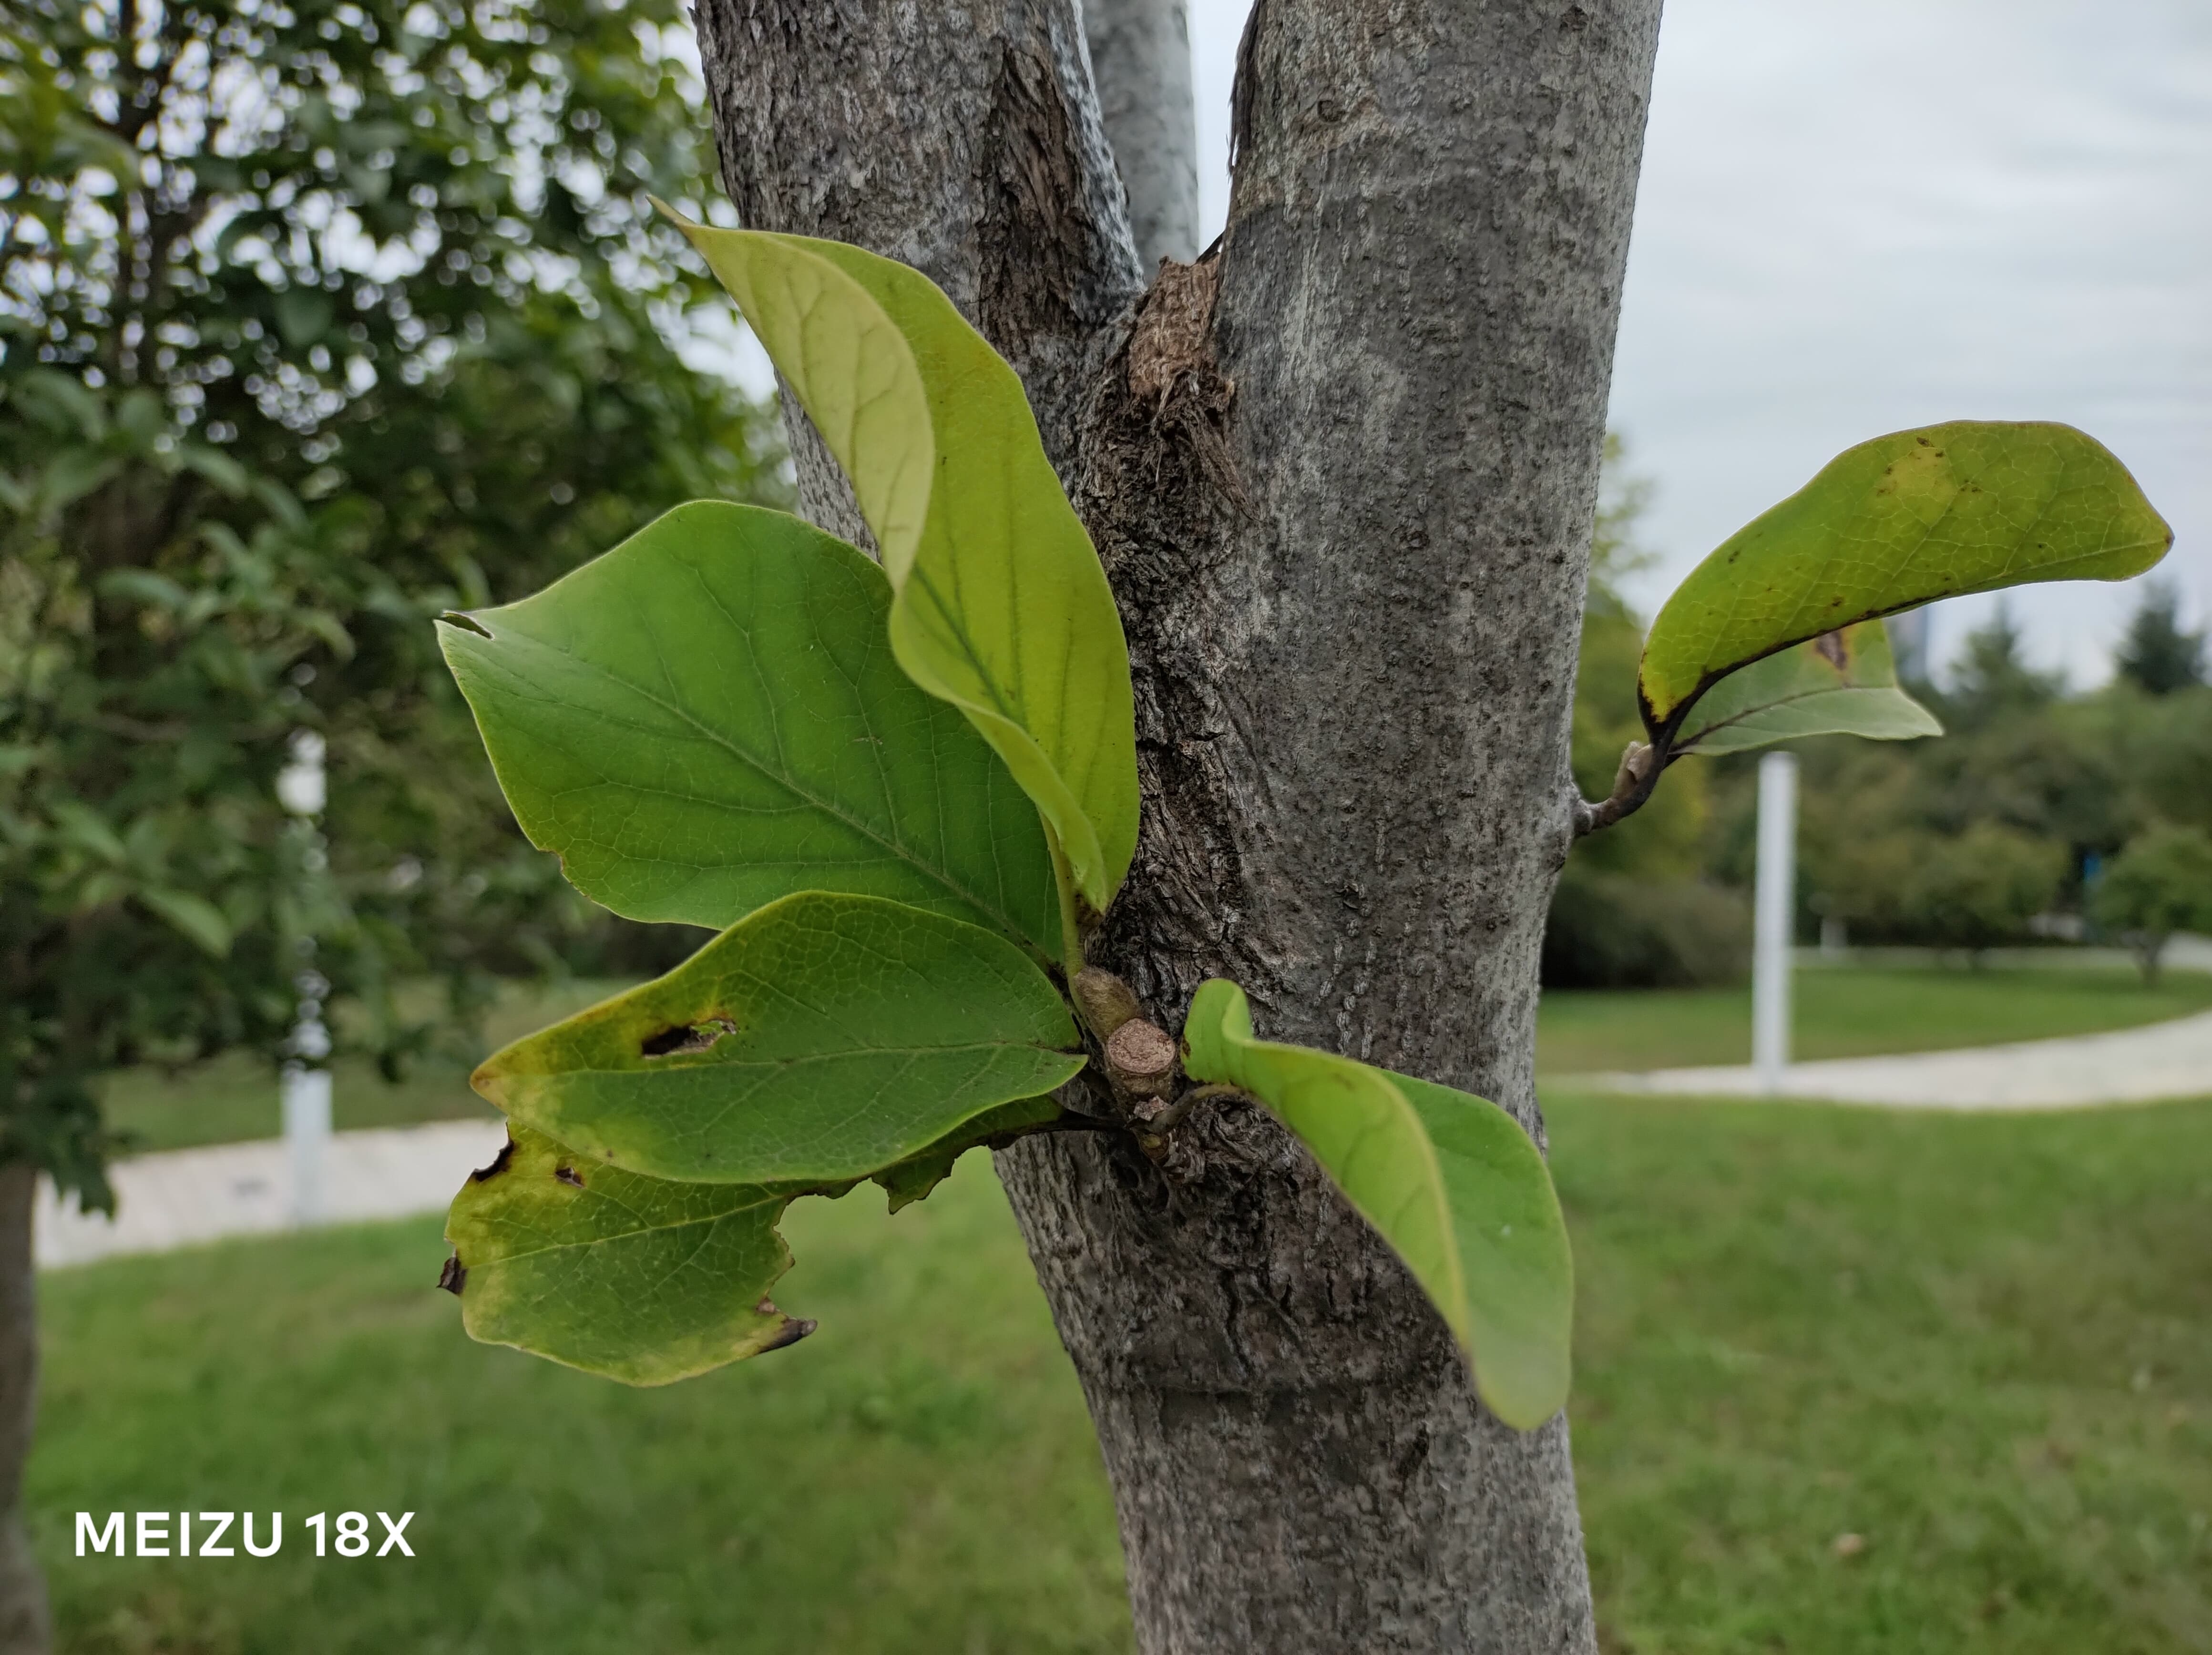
column 1982, row 1344
column 1855, row 1012
column 920, row 1479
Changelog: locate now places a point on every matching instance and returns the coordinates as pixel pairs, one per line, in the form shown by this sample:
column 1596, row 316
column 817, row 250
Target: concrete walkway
column 2133, row 1065
column 187, row 1196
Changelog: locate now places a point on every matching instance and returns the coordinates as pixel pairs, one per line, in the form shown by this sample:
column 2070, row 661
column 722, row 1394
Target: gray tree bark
column 1342, row 474
column 24, row 1628
column 1140, row 65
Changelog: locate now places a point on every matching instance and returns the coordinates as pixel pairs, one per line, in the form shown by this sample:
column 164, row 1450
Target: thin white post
column 1774, row 909
column 306, row 1085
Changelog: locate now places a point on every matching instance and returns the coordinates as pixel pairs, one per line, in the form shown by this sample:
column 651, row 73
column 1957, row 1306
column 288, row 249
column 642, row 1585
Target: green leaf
column 1002, row 608
column 708, row 718
column 198, row 919
column 1449, row 1181
column 909, row 1180
column 1892, row 523
column 821, row 1037
column 1841, row 683
column 636, row 1278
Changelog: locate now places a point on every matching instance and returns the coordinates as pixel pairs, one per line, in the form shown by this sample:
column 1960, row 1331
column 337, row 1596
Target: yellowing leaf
column 637, row 1278
column 1895, row 523
column 1448, row 1179
column 1001, row 606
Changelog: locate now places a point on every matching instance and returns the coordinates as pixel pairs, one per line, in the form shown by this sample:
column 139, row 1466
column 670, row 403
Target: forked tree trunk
column 23, row 1623
column 1342, row 474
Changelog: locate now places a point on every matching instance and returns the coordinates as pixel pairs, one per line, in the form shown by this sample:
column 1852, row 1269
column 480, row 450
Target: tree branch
column 1140, row 62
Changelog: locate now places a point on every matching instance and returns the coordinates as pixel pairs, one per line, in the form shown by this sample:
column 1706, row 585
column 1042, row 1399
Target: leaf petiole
column 1071, row 932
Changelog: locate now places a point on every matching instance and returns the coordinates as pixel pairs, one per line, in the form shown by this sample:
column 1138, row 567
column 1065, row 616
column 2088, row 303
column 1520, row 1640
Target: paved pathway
column 188, row 1196
column 2133, row 1065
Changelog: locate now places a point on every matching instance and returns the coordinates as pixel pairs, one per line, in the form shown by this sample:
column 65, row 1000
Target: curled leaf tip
column 793, row 1330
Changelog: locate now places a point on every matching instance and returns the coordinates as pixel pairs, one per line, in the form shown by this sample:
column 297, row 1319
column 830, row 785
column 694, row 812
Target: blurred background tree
column 316, row 318
column 2159, row 883
column 1634, row 908
column 2158, row 656
column 2002, row 832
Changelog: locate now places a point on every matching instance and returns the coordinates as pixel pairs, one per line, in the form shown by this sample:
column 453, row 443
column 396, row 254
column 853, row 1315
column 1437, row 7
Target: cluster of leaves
column 905, row 794
column 315, row 319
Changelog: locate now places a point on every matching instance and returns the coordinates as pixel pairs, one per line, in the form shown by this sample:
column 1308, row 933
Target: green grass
column 1854, row 1012
column 1984, row 1344
column 918, row 1476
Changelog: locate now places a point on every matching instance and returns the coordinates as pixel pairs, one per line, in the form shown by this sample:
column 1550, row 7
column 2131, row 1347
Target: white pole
column 1774, row 909
column 306, row 1085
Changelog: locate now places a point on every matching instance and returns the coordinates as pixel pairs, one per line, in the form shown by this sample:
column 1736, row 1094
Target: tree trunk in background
column 1342, row 474
column 23, row 1624
column 1140, row 65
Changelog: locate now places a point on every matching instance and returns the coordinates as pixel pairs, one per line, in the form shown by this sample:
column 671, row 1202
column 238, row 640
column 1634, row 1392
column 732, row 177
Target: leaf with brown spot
column 823, row 1038
column 1841, row 683
column 637, row 1278
column 1970, row 506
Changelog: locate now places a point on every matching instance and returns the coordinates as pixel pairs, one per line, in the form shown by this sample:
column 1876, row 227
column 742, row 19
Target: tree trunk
column 1342, row 474
column 23, row 1625
column 1140, row 64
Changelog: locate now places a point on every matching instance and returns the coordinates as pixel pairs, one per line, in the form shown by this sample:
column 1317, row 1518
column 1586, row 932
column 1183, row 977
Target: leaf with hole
column 708, row 718
column 1002, row 608
column 1449, row 1180
column 821, row 1037
column 1892, row 523
column 1841, row 683
column 637, row 1278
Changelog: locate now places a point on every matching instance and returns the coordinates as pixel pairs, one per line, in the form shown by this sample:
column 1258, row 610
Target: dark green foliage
column 1614, row 930
column 2158, row 656
column 2079, row 775
column 387, row 337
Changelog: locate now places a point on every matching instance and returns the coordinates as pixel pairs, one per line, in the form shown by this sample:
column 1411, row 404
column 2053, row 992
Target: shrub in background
column 2160, row 883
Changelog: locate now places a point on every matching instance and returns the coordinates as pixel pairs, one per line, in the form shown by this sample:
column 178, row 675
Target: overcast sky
column 1857, row 216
